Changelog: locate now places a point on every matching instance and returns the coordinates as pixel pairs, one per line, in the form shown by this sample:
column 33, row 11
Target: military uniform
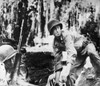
column 84, row 48
column 77, row 47
column 58, row 46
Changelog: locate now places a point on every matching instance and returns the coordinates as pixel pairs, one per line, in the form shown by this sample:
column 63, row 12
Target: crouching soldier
column 7, row 54
column 59, row 46
column 77, row 48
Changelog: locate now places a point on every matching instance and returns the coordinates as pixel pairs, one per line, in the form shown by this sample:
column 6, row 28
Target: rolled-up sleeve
column 70, row 49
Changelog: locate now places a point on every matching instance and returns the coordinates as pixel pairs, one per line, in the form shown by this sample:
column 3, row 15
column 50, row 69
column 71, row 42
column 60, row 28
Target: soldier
column 77, row 48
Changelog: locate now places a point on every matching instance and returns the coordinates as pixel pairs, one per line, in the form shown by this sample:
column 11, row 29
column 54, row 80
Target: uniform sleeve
column 70, row 49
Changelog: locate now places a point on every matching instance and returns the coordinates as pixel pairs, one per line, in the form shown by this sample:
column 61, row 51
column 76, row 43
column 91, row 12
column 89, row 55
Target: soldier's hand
column 63, row 75
column 23, row 50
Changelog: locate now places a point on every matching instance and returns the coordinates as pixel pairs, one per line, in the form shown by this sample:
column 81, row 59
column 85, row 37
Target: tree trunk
column 46, row 16
column 52, row 9
column 39, row 18
column 32, row 28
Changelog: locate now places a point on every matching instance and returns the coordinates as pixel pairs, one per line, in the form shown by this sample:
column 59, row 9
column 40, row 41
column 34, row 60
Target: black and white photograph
column 49, row 42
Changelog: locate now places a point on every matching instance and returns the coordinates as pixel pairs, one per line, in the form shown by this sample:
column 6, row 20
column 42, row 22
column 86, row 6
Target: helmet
column 53, row 23
column 6, row 52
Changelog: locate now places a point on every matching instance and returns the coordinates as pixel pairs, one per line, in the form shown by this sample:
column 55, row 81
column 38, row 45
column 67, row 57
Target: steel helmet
column 53, row 23
column 6, row 52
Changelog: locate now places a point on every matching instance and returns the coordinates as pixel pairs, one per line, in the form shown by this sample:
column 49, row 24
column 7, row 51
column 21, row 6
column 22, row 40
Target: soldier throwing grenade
column 77, row 48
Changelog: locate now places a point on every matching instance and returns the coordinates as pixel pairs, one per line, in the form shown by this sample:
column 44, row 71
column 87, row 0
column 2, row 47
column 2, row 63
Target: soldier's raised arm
column 69, row 47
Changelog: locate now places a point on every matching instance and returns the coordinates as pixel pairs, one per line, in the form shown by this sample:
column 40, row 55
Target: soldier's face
column 57, row 31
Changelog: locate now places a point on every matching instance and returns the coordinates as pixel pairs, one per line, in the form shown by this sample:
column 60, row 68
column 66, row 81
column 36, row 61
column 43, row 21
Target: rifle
column 17, row 62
